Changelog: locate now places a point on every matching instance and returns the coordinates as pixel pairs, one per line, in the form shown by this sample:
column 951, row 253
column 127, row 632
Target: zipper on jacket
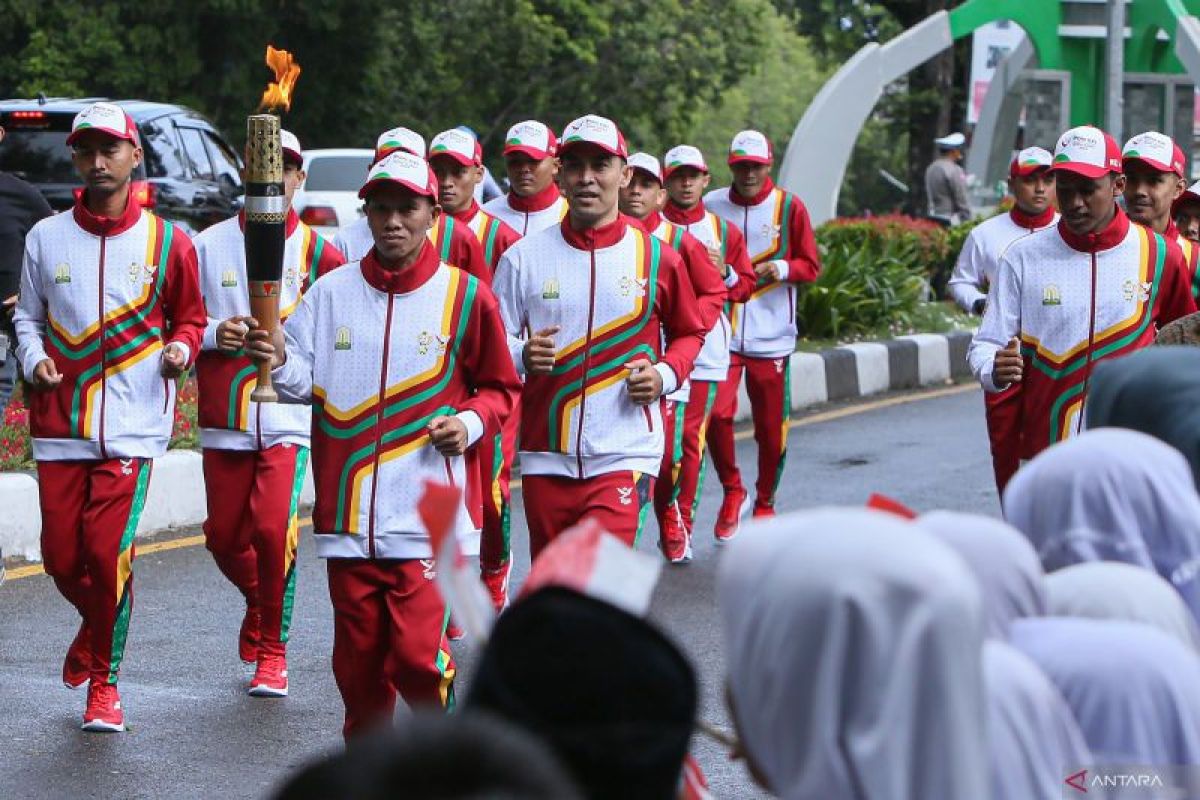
column 103, row 353
column 650, row 419
column 258, row 425
column 587, row 360
column 1087, row 369
column 746, row 305
column 383, row 372
column 166, row 395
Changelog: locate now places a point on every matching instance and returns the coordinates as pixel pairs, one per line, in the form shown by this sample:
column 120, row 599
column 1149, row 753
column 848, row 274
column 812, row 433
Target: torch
column 266, row 207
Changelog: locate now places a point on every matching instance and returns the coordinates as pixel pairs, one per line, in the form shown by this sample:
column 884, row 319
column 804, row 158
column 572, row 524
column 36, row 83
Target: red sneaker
column 248, row 636
column 763, row 512
column 497, row 585
column 729, row 518
column 454, row 631
column 270, row 678
column 77, row 664
column 103, row 714
column 673, row 538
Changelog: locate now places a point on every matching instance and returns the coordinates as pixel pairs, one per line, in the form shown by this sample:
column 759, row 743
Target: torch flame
column 279, row 92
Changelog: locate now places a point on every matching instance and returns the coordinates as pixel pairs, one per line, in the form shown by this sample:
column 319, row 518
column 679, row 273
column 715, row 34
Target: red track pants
column 90, row 512
column 1003, row 413
column 682, row 474
column 496, row 455
column 768, row 385
column 253, row 529
column 619, row 501
column 389, row 637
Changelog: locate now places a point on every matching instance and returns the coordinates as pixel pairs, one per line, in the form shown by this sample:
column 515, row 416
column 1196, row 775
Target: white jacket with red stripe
column 979, row 261
column 379, row 354
column 528, row 215
column 776, row 227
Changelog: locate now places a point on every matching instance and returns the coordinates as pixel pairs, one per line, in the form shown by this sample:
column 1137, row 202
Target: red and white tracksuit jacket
column 103, row 297
column 1191, row 255
column 494, row 234
column 379, row 354
column 977, row 264
column 228, row 418
column 455, row 244
column 1072, row 301
column 776, row 227
column 527, row 215
column 614, row 292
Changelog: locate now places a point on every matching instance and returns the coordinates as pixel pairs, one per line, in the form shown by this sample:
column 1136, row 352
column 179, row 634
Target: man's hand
column 718, row 261
column 266, row 347
column 10, row 306
column 768, row 270
column 231, row 333
column 448, row 435
column 644, row 382
column 46, row 375
column 1009, row 366
column 173, row 361
column 539, row 351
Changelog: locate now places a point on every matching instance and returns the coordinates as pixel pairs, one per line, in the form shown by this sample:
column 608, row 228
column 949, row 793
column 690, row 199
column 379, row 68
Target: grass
column 935, row 316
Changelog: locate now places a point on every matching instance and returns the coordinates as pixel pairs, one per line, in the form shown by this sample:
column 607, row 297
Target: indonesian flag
column 457, row 580
column 592, row 561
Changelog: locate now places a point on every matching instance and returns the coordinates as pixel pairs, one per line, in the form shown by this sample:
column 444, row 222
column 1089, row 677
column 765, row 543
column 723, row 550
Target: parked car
column 189, row 175
column 329, row 198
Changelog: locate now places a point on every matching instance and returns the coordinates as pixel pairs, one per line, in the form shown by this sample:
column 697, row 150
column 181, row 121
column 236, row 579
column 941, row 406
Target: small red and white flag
column 457, row 579
column 592, row 561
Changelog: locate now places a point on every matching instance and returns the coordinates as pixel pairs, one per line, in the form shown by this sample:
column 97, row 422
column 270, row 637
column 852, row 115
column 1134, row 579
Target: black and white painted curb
column 176, row 496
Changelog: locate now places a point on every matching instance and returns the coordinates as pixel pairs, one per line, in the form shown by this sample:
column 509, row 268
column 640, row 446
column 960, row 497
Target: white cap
column 595, row 130
column 750, row 146
column 291, row 145
column 952, row 142
column 1030, row 160
column 684, row 155
column 457, row 144
column 1156, row 149
column 404, row 169
column 646, row 163
column 531, row 138
column 400, row 139
column 1087, row 151
column 107, row 117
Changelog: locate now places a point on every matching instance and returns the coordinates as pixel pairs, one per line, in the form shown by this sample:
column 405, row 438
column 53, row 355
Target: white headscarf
column 1004, row 563
column 853, row 642
column 1112, row 495
column 1134, row 690
column 1033, row 739
column 1111, row 590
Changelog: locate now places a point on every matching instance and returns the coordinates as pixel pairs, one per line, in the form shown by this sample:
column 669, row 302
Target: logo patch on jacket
column 1135, row 291
column 628, row 286
column 229, row 279
column 1051, row 296
column 62, row 273
column 625, row 493
column 341, row 339
column 432, row 341
column 550, row 289
column 141, row 273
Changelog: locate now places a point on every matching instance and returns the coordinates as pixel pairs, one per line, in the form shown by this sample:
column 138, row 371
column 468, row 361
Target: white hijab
column 853, row 641
column 1033, row 738
column 1112, row 495
column 1134, row 690
column 1003, row 562
column 1111, row 590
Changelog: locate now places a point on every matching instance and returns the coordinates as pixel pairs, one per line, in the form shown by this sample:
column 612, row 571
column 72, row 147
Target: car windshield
column 337, row 173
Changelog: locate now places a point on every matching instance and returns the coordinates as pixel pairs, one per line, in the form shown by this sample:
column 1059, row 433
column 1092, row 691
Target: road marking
column 18, row 573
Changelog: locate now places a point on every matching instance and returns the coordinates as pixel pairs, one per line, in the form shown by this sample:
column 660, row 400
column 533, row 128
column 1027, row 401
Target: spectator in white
column 1112, row 590
column 1112, row 495
column 946, row 183
column 863, row 680
column 21, row 207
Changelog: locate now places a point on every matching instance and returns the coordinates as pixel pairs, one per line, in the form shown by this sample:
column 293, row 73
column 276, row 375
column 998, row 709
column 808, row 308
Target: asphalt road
column 195, row 733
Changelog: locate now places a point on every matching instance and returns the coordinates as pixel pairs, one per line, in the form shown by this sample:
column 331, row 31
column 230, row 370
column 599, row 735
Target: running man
column 533, row 202
column 1154, row 182
column 109, row 315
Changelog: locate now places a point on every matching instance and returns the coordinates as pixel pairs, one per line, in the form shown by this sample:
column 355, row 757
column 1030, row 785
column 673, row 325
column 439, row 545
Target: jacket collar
column 1171, row 234
column 684, row 216
column 593, row 238
column 651, row 222
column 763, row 193
column 1106, row 239
column 401, row 281
column 1032, row 221
column 106, row 226
column 538, row 202
column 293, row 219
column 467, row 214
